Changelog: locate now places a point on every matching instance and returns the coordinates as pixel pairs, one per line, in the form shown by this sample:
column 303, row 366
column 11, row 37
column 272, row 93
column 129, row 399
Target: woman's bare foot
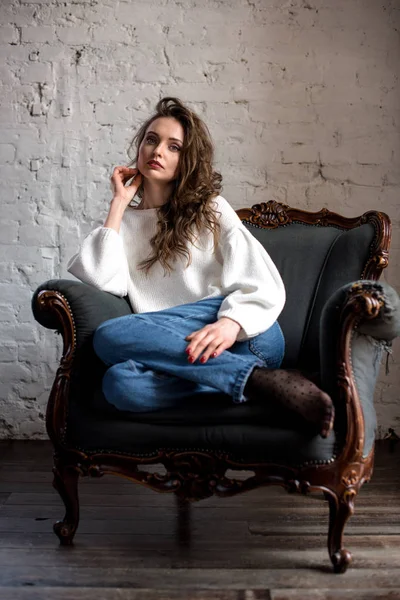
column 295, row 392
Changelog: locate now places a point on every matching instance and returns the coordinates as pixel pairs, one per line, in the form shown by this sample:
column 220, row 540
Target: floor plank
column 195, row 578
column 313, row 513
column 91, row 593
column 156, row 557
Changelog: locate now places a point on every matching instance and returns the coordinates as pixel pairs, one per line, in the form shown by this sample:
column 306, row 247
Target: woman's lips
column 154, row 165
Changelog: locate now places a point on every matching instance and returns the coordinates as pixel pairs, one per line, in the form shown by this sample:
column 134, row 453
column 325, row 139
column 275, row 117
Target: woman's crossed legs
column 149, row 368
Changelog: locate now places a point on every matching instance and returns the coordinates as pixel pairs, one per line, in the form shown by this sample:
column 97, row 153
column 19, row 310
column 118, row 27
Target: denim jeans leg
column 157, row 342
column 129, row 386
column 269, row 346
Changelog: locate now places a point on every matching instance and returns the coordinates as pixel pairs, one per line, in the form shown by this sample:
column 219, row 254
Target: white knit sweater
column 240, row 269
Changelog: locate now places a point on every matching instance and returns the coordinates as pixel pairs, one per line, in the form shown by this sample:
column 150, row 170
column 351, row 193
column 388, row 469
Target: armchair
column 337, row 321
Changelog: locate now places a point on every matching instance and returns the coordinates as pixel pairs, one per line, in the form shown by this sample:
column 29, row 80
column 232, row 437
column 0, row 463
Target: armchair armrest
column 358, row 322
column 75, row 309
column 87, row 307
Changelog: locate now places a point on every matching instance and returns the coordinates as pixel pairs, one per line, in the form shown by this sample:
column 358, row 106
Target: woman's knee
column 269, row 346
column 114, row 389
column 119, row 390
column 104, row 339
column 110, row 385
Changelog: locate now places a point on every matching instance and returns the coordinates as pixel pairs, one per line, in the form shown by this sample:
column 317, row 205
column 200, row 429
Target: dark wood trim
column 194, row 475
column 54, row 303
column 364, row 302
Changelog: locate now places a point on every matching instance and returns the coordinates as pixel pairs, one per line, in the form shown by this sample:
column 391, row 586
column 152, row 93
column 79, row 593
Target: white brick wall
column 302, row 99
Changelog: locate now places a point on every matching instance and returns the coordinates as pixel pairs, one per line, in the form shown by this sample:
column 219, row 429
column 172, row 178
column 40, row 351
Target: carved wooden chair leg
column 340, row 509
column 183, row 530
column 66, row 483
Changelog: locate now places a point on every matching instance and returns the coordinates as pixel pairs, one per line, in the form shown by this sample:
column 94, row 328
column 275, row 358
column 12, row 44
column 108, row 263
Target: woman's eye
column 151, row 140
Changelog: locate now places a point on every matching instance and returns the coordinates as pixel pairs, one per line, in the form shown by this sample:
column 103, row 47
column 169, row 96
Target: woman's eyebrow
column 154, row 133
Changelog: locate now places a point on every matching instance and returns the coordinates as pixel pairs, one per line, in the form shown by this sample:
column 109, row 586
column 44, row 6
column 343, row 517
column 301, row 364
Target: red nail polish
column 187, row 350
column 203, row 359
column 191, row 359
column 214, row 354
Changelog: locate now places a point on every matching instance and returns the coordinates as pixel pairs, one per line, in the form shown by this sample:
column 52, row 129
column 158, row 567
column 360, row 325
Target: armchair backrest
column 316, row 253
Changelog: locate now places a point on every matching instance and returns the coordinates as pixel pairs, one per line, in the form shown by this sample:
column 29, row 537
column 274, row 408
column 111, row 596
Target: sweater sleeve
column 102, row 262
column 254, row 290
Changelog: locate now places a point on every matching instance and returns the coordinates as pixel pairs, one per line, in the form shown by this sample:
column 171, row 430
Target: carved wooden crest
column 270, row 214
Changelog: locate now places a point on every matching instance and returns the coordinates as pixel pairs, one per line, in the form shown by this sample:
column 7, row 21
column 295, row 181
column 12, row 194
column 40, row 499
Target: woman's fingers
column 122, row 169
column 203, row 343
column 196, row 345
column 137, row 181
column 123, row 173
column 121, row 176
column 213, row 350
column 212, row 340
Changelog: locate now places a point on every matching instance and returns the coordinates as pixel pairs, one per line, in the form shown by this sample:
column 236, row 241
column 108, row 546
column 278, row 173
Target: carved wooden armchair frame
column 196, row 475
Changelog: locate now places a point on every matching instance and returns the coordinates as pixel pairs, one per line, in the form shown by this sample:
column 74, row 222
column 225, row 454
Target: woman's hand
column 212, row 339
column 123, row 194
column 119, row 179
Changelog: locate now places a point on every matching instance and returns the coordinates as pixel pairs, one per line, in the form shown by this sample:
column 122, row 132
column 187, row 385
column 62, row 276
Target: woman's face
column 162, row 143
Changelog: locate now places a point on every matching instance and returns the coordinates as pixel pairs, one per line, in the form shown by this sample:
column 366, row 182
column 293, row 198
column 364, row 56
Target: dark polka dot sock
column 291, row 390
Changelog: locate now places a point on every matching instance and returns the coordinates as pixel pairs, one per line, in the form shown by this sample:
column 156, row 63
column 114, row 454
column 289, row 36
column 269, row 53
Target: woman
column 205, row 293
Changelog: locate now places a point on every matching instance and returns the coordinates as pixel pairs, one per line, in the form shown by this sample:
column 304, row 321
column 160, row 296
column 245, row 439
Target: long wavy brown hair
column 189, row 209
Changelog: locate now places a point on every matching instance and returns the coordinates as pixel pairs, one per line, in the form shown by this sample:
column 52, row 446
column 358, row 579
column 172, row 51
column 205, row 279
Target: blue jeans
column 149, row 368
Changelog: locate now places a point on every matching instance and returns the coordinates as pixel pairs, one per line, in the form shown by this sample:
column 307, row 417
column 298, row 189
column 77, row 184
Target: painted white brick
column 11, row 293
column 7, row 313
column 263, row 193
column 107, row 114
column 22, row 332
column 300, row 153
column 151, row 33
column 152, row 72
column 144, row 14
column 23, row 16
column 202, row 53
column 44, row 34
column 196, row 92
column 28, row 352
column 8, row 35
column 15, row 372
column 36, row 235
column 7, row 153
column 36, row 73
column 9, row 231
column 111, row 35
column 39, row 1
column 8, row 352
column 365, row 175
column 74, row 35
column 8, row 114
column 7, row 77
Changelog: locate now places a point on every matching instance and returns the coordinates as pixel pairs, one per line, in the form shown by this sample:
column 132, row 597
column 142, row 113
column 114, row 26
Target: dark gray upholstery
column 311, row 262
column 252, row 438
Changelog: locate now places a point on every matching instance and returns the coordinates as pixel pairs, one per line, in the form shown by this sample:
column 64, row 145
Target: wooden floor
column 263, row 545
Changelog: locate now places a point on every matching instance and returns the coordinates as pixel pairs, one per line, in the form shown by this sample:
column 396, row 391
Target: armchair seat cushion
column 212, row 422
